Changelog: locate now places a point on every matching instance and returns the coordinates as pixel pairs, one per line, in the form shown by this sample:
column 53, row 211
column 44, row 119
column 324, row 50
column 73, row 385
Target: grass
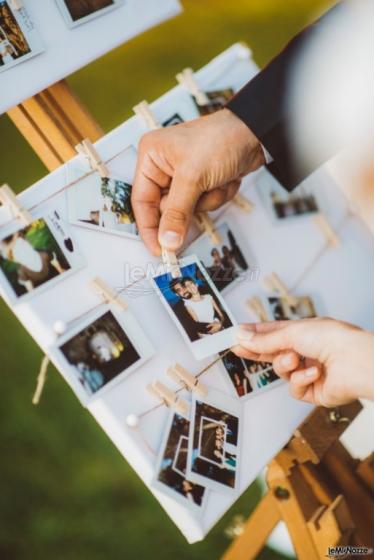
column 66, row 492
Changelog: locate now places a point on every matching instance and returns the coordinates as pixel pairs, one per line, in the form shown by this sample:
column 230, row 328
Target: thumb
column 179, row 208
column 305, row 337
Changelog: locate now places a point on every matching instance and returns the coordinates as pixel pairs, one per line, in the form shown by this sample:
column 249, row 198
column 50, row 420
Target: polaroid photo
column 76, row 12
column 36, row 256
column 227, row 262
column 104, row 204
column 19, row 40
column 214, row 442
column 283, row 206
column 217, row 100
column 197, row 309
column 281, row 310
column 173, row 120
column 101, row 351
column 261, row 375
column 171, row 468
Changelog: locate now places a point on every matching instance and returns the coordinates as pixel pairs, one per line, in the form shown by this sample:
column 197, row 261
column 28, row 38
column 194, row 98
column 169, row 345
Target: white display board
column 296, row 250
column 67, row 49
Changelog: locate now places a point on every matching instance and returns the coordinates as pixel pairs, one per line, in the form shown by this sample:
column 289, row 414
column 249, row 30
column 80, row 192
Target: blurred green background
column 66, row 492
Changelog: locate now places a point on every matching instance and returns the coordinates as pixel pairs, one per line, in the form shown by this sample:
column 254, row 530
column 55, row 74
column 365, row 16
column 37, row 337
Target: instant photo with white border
column 30, row 43
column 164, row 467
column 218, row 407
column 228, row 262
column 104, row 204
column 74, row 22
column 94, row 350
column 204, row 311
column 34, row 258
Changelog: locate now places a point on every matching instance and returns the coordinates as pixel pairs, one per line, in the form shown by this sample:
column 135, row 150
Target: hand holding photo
column 77, row 12
column 197, row 309
column 217, row 100
column 214, row 442
column 224, row 262
column 19, row 39
column 172, row 465
column 107, row 346
column 36, row 256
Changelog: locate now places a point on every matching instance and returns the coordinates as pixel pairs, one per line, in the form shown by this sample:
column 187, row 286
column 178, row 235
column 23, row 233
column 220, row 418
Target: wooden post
column 53, row 122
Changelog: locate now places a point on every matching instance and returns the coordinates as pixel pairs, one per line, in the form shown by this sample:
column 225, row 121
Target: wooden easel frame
column 315, row 486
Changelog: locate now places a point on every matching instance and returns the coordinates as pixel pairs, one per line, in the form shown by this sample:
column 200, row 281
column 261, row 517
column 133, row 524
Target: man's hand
column 194, row 166
column 339, row 357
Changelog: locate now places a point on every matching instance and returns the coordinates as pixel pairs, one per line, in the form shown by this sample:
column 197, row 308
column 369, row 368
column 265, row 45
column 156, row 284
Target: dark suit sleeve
column 262, row 105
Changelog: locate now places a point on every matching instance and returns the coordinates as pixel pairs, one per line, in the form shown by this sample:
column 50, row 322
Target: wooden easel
column 315, row 486
column 324, row 496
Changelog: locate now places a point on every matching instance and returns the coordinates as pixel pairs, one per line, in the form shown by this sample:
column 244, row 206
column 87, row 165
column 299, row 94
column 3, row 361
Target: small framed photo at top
column 197, row 309
column 19, row 39
column 101, row 351
column 36, row 256
column 170, row 475
column 215, row 442
column 76, row 12
column 226, row 262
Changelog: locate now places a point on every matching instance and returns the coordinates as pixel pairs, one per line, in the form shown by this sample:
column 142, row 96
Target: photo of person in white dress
column 203, row 308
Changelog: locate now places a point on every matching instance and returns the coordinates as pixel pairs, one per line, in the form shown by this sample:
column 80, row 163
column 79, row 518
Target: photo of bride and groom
column 195, row 304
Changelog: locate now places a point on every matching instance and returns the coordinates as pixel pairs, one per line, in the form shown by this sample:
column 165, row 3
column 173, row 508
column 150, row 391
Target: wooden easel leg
column 256, row 531
column 53, row 122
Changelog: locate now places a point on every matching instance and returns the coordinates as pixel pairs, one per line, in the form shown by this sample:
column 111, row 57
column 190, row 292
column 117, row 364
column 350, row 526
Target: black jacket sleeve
column 262, row 105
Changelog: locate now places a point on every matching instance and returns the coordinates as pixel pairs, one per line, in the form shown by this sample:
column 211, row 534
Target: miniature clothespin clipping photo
column 170, row 399
column 206, row 225
column 187, row 79
column 86, row 149
column 256, row 306
column 327, row 230
column 275, row 284
column 170, row 260
column 8, row 198
column 189, row 381
column 243, row 203
column 144, row 111
column 107, row 293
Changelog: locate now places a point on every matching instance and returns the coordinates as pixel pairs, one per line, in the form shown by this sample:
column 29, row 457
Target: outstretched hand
column 194, row 166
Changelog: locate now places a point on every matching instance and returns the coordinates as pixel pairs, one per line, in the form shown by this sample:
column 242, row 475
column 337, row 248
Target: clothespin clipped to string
column 107, row 293
column 171, row 263
column 186, row 78
column 243, row 203
column 257, row 307
column 16, row 4
column 143, row 110
column 170, row 399
column 327, row 230
column 206, row 225
column 189, row 381
column 8, row 198
column 86, row 149
column 275, row 284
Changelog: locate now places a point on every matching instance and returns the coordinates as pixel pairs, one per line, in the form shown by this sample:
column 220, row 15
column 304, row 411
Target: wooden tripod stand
column 324, row 496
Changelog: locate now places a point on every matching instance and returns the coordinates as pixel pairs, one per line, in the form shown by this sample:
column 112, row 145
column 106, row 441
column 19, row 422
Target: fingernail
column 311, row 372
column 287, row 360
column 244, row 335
column 171, row 240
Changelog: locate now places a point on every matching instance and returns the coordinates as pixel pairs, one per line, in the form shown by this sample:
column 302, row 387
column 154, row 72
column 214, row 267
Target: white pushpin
column 132, row 421
column 60, row 327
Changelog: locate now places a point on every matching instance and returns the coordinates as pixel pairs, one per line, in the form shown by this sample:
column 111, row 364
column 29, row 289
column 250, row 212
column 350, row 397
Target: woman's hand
column 192, row 166
column 338, row 364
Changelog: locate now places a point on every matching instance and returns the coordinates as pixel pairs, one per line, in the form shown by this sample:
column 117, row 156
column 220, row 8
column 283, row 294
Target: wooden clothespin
column 244, row 51
column 189, row 381
column 170, row 399
column 171, row 263
column 327, row 230
column 143, row 110
column 107, row 293
column 257, row 307
column 8, row 198
column 187, row 79
column 275, row 284
column 41, row 379
column 16, row 4
column 86, row 149
column 243, row 203
column 206, row 225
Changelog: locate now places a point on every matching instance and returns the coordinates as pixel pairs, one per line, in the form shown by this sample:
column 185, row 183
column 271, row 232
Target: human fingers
column 242, row 352
column 285, row 363
column 301, row 380
column 217, row 197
